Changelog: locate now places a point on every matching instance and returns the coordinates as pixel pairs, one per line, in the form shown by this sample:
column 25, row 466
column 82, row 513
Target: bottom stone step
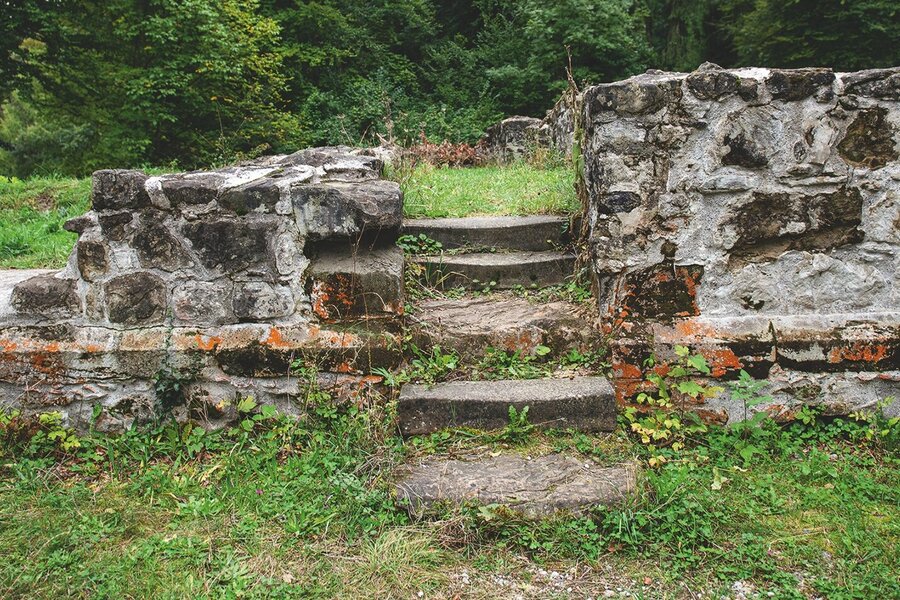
column 535, row 487
column 583, row 403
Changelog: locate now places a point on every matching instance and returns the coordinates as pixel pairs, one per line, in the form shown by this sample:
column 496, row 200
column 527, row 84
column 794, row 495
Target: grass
column 517, row 189
column 279, row 509
column 32, row 213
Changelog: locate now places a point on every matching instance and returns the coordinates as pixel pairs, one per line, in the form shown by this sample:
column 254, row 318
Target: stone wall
column 216, row 280
column 753, row 214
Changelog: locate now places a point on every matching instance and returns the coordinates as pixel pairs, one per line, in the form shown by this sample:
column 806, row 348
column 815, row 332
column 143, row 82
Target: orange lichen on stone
column 276, row 340
column 858, row 352
column 721, row 360
column 691, row 328
column 207, row 343
column 626, row 371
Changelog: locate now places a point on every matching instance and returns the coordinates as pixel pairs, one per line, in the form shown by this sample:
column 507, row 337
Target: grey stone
column 202, row 302
column 259, row 195
column 258, row 301
column 191, row 189
column 712, row 84
column 93, row 259
column 797, row 84
column 874, row 83
column 348, row 210
column 471, row 325
column 81, row 224
column 349, row 282
column 335, row 156
column 45, row 296
column 136, row 299
column 114, row 189
column 502, row 270
column 536, row 487
column 583, row 403
column 869, row 141
column 537, row 232
column 512, row 138
column 232, row 245
column 157, row 247
column 114, row 226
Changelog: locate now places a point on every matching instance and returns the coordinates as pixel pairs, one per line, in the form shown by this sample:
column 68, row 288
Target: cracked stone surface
column 534, row 486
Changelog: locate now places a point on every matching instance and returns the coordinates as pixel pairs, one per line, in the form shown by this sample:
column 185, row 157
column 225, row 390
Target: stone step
column 535, row 232
column 582, row 403
column 469, row 326
column 533, row 486
column 505, row 269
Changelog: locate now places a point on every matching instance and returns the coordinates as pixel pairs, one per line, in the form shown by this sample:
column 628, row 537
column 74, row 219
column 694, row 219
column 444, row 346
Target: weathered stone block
column 350, row 284
column 869, row 141
column 45, row 296
column 341, row 210
column 114, row 189
column 202, row 303
column 259, row 301
column 157, row 247
column 232, row 245
column 798, row 84
column 136, row 299
column 192, row 189
column 535, row 487
column 93, row 259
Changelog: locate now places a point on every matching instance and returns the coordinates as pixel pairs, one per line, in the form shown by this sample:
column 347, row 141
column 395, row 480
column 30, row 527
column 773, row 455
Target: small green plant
column 660, row 420
column 36, row 436
column 419, row 244
column 571, row 291
column 879, row 428
column 590, row 359
column 427, row 367
column 503, row 364
column 518, row 428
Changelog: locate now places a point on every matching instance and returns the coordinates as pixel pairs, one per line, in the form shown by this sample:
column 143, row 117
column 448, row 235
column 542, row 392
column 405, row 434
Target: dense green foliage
column 87, row 84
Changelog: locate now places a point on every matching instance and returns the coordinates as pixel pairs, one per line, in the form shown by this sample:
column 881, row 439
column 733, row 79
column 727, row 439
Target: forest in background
column 187, row 83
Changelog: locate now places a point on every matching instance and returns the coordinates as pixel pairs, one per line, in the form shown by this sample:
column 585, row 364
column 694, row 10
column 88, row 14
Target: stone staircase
column 503, row 253
column 495, row 252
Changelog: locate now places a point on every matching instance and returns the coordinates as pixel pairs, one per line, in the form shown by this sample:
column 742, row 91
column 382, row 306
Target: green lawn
column 304, row 510
column 32, row 213
column 517, row 189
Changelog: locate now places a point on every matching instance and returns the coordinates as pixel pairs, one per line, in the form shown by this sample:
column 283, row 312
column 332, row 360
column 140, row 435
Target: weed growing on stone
column 419, row 244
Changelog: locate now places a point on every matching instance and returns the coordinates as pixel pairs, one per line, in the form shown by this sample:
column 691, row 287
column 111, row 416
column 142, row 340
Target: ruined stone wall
column 215, row 280
column 753, row 214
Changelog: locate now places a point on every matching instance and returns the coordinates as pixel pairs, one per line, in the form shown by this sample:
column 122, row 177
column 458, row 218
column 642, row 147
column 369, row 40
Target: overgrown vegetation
column 284, row 508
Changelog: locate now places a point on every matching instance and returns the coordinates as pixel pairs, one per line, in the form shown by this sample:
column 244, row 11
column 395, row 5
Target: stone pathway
column 526, row 251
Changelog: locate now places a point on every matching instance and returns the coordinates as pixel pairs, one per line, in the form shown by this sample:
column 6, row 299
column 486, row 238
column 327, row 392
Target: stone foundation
column 753, row 215
column 204, row 278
